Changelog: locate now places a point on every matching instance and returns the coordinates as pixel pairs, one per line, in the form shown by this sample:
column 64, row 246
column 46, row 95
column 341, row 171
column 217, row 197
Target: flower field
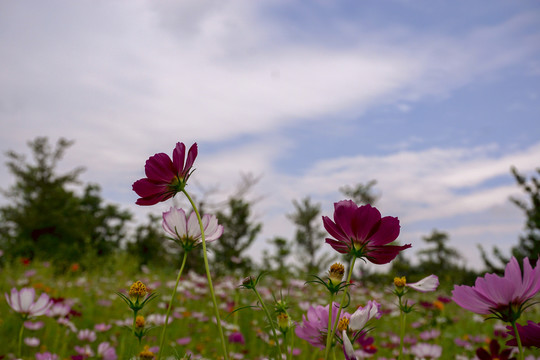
column 88, row 314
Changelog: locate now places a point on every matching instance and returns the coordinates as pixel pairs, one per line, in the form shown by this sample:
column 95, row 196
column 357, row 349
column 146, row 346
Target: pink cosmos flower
column 426, row 351
column 86, row 335
column 529, row 334
column 362, row 232
column 46, row 356
column 504, row 296
column 314, row 326
column 30, row 325
column 186, row 231
column 165, row 177
column 106, row 352
column 24, row 302
column 348, row 349
column 31, row 341
column 361, row 316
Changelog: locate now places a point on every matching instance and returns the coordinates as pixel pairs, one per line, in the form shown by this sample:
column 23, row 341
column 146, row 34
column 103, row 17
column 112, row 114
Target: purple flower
column 186, row 231
column 529, row 334
column 362, row 232
column 24, row 302
column 165, row 177
column 237, row 337
column 494, row 352
column 184, row 341
column 314, row 326
column 504, row 296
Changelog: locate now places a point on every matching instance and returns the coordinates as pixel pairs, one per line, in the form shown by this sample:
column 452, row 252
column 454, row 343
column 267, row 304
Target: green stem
column 209, row 277
column 329, row 331
column 518, row 339
column 276, row 339
column 161, row 342
column 402, row 321
column 135, row 321
column 334, row 326
column 19, row 348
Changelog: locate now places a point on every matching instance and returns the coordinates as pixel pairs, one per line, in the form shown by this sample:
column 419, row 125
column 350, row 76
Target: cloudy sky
column 435, row 100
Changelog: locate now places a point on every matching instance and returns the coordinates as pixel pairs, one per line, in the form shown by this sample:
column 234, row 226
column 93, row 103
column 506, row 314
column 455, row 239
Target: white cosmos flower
column 187, row 231
column 24, row 302
column 348, row 349
column 362, row 315
column 427, row 284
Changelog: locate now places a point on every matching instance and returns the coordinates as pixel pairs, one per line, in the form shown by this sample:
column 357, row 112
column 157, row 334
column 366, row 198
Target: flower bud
column 336, row 272
column 137, row 290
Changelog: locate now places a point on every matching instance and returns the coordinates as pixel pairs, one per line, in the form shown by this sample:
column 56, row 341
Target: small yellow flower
column 146, row 354
column 139, row 322
column 137, row 290
column 283, row 321
column 336, row 272
column 400, row 281
column 343, row 324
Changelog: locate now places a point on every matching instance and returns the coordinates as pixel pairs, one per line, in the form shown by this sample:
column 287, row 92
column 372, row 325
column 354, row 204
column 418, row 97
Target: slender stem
column 334, row 327
column 329, row 330
column 518, row 339
column 209, row 277
column 276, row 339
column 170, row 306
column 19, row 349
column 401, row 328
column 135, row 320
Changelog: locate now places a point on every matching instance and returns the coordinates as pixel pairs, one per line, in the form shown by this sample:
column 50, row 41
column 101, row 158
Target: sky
column 435, row 100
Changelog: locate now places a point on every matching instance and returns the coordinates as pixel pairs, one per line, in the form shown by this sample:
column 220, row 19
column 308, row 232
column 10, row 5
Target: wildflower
column 427, row 284
column 139, row 322
column 186, row 231
column 314, row 327
column 86, row 335
column 23, row 302
column 146, row 354
column 504, row 297
column 31, row 341
column 165, row 177
column 46, row 356
column 426, row 351
column 361, row 316
column 336, row 272
column 30, row 325
column 529, row 335
column 348, row 349
column 106, row 352
column 237, row 337
column 362, row 232
column 137, row 290
column 494, row 352
column 102, row 327
column 138, row 296
column 184, row 341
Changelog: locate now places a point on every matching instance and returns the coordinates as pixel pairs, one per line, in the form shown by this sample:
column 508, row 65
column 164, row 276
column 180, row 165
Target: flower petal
column 427, row 284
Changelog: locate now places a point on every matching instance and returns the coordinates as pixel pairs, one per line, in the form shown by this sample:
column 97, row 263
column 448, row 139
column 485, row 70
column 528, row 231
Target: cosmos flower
column 24, row 302
column 314, row 326
column 494, row 352
column 186, row 231
column 165, row 177
column 86, row 335
column 106, row 352
column 361, row 316
column 529, row 334
column 46, row 356
column 31, row 341
column 348, row 349
column 426, row 351
column 362, row 232
column 237, row 337
column 504, row 297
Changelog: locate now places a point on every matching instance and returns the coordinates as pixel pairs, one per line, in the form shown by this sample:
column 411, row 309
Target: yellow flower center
column 400, row 281
column 146, row 354
column 343, row 324
column 137, row 290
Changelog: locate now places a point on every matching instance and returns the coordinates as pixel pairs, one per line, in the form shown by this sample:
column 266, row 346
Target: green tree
column 44, row 218
column 239, row 232
column 309, row 237
column 361, row 194
column 276, row 262
column 439, row 257
column 529, row 242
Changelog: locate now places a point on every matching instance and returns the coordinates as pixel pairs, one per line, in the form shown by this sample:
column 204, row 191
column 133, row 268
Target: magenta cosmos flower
column 362, row 232
column 165, row 177
column 186, row 231
column 504, row 297
column 25, row 303
column 528, row 334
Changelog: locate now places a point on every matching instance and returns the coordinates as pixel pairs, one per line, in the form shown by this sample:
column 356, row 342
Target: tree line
column 57, row 218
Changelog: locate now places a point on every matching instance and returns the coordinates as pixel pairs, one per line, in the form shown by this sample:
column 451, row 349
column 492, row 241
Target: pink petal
column 192, row 154
column 338, row 245
column 334, row 230
column 160, row 168
column 179, row 153
column 387, row 232
column 384, row 254
column 365, row 218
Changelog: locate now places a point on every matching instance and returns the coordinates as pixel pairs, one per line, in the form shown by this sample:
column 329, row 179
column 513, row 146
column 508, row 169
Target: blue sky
column 435, row 100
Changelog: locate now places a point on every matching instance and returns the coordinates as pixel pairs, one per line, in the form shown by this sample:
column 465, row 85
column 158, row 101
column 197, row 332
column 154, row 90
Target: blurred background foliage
column 55, row 217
